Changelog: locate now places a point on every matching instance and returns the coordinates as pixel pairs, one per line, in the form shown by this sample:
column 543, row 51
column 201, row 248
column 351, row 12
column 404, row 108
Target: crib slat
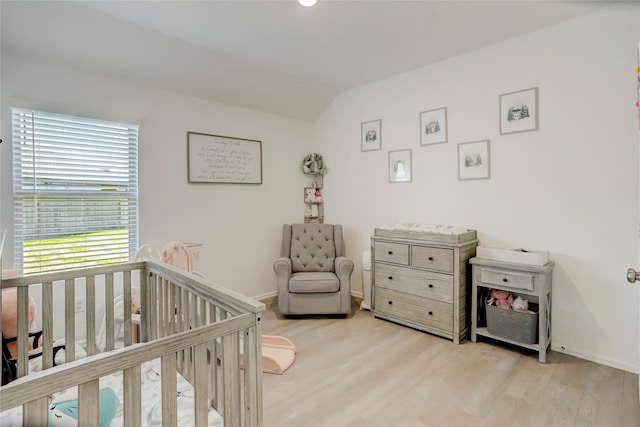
column 172, row 308
column 91, row 315
column 167, row 307
column 195, row 319
column 132, row 381
column 36, row 412
column 179, row 310
column 168, row 312
column 145, row 284
column 126, row 309
column 188, row 325
column 153, row 309
column 23, row 331
column 169, row 391
column 203, row 312
column 200, row 386
column 162, row 307
column 253, row 375
column 231, row 380
column 69, row 320
column 180, row 325
column 155, row 302
column 146, row 318
column 213, row 352
column 88, row 403
column 108, row 312
column 47, row 325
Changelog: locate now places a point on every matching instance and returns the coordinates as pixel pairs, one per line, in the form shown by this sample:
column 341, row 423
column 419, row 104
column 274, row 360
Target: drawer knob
column 430, row 286
column 390, row 302
column 505, row 280
column 430, row 258
column 390, row 277
column 390, row 252
column 431, row 313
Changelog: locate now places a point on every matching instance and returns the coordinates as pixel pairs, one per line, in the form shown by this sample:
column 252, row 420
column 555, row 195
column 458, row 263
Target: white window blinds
column 75, row 186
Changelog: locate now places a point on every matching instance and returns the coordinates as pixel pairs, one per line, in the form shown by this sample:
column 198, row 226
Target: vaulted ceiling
column 272, row 56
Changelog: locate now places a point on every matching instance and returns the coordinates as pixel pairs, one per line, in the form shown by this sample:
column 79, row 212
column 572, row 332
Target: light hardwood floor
column 361, row 371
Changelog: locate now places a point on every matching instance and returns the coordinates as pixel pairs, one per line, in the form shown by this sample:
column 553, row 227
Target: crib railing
column 194, row 326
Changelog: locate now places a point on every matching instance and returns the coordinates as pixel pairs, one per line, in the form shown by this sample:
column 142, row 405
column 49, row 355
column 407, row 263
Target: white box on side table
column 517, row 256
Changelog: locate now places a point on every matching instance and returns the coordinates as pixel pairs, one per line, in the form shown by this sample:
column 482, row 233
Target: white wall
column 239, row 225
column 570, row 188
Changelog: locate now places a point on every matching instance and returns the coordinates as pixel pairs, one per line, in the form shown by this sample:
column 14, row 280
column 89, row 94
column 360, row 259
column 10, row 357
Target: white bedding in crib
column 35, row 364
column 151, row 400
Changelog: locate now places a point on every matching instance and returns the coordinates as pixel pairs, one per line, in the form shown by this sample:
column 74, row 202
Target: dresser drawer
column 424, row 312
column 422, row 283
column 432, row 258
column 507, row 279
column 397, row 253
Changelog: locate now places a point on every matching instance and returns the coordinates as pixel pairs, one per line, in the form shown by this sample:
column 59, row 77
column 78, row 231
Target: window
column 75, row 190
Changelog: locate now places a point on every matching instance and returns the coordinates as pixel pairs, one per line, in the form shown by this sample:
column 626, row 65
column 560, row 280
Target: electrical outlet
column 80, row 305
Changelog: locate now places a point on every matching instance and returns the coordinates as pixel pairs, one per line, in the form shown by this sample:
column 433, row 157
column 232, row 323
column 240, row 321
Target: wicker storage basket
column 513, row 325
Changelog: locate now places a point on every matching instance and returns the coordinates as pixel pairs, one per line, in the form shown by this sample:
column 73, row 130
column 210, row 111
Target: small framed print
column 433, row 126
column 371, row 137
column 473, row 160
column 519, row 111
column 400, row 166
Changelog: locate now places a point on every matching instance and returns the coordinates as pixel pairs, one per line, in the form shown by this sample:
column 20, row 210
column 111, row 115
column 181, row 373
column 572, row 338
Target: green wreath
column 313, row 163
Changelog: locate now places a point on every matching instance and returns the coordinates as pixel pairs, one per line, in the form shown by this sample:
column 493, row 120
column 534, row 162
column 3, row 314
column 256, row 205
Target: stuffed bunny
column 500, row 298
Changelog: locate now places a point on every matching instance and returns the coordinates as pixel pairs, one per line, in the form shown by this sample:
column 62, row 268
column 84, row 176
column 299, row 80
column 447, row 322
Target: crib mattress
column 151, row 396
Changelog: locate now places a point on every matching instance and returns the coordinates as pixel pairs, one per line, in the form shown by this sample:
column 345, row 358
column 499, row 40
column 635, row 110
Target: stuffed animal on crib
column 10, row 318
column 64, row 413
column 500, row 298
column 178, row 254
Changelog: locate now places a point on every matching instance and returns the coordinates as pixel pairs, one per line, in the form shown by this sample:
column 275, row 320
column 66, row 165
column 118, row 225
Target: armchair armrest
column 344, row 268
column 282, row 267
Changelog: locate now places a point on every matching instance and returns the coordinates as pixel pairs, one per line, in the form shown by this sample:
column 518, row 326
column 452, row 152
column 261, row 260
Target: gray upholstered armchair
column 313, row 273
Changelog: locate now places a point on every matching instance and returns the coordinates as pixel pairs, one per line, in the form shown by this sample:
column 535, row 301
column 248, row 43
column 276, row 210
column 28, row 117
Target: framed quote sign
column 223, row 159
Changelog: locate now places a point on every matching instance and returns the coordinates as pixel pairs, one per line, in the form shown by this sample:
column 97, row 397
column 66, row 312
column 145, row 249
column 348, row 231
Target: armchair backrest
column 312, row 247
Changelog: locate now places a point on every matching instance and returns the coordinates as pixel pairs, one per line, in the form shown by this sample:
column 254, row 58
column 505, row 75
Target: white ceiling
column 272, row 56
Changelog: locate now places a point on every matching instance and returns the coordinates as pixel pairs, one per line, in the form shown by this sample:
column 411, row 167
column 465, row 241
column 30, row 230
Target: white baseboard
column 600, row 360
column 268, row 295
column 274, row 294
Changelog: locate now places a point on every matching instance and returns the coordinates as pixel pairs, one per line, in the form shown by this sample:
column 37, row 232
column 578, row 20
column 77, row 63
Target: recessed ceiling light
column 307, row 3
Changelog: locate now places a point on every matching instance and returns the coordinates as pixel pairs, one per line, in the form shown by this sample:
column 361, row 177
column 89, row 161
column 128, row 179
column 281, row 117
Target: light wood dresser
column 422, row 280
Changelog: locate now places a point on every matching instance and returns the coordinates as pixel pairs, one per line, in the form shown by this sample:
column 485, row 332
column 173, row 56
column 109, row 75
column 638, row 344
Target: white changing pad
column 428, row 228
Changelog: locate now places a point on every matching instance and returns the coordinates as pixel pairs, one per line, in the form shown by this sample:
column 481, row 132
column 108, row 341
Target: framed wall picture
column 519, row 111
column 474, row 160
column 371, row 136
column 223, row 159
column 400, row 166
column 433, row 126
